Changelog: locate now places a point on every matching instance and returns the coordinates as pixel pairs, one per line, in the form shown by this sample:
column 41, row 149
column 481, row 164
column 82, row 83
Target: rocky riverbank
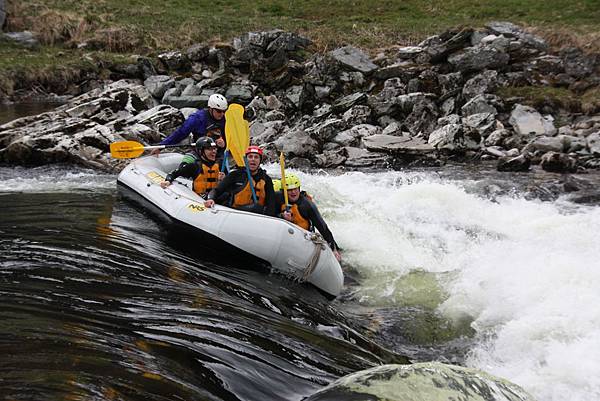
column 444, row 99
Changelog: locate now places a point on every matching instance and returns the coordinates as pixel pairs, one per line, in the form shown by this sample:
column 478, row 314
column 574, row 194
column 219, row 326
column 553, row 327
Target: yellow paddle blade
column 283, row 182
column 126, row 149
column 237, row 132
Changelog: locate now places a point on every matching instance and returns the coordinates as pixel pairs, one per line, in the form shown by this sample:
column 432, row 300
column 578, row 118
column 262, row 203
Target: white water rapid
column 527, row 272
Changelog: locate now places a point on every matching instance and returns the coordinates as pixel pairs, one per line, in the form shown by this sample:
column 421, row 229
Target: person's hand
column 337, row 255
column 155, row 152
column 220, row 142
column 209, row 203
column 165, row 184
column 221, row 176
column 287, row 215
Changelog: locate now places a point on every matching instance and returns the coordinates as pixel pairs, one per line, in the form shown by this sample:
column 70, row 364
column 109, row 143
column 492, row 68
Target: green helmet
column 276, row 185
column 292, row 181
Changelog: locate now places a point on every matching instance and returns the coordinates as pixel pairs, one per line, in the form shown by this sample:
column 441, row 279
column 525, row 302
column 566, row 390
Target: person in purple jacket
column 199, row 123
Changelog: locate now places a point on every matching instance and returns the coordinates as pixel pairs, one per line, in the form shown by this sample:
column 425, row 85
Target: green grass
column 539, row 96
column 171, row 23
column 150, row 26
column 48, row 65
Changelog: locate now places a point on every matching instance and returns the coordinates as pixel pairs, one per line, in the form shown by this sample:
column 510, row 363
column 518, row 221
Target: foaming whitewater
column 526, row 272
column 54, row 179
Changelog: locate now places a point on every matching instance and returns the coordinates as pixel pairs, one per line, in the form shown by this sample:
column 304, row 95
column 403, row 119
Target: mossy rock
column 421, row 382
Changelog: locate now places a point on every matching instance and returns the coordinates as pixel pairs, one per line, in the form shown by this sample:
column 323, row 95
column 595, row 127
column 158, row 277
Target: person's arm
column 192, row 124
column 278, row 203
column 223, row 186
column 187, row 168
column 319, row 223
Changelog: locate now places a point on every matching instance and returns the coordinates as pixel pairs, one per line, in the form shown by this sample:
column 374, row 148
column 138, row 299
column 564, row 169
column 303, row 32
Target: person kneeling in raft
column 237, row 192
column 201, row 166
column 303, row 212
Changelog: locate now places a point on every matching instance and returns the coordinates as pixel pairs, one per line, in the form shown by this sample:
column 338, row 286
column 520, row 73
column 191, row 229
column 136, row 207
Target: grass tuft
column 560, row 38
column 115, row 39
column 563, row 98
column 60, row 27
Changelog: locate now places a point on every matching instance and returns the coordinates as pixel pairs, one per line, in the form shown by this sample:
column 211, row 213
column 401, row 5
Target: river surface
column 98, row 300
column 9, row 112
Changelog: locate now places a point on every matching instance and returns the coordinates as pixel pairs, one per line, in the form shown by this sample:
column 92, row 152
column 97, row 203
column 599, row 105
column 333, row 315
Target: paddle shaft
column 250, row 180
column 165, row 146
column 283, row 182
column 132, row 149
column 225, row 162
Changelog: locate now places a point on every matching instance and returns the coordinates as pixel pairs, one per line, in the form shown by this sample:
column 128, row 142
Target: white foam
column 534, row 296
column 53, row 179
column 527, row 272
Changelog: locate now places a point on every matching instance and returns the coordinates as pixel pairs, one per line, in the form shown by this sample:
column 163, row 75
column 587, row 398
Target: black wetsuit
column 190, row 167
column 310, row 212
column 235, row 182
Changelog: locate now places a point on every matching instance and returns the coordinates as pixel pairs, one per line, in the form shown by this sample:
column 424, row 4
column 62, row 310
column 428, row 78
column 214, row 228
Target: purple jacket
column 195, row 124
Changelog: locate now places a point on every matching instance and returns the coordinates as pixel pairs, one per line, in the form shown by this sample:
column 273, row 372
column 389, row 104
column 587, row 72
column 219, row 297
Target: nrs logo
column 196, row 207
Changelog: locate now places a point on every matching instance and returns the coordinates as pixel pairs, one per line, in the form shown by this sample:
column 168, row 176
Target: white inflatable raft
column 275, row 242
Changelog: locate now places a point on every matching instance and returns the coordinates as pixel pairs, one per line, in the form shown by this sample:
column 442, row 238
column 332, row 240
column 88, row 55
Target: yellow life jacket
column 297, row 218
column 244, row 197
column 207, row 179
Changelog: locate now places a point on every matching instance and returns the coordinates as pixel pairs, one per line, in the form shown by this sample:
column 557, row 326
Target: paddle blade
column 126, row 149
column 237, row 132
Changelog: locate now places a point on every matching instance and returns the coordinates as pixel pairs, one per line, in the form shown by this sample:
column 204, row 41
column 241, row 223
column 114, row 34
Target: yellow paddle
column 237, row 132
column 132, row 149
column 283, row 182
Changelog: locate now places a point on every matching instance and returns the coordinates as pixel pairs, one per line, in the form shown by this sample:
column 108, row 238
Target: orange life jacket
column 297, row 218
column 207, row 179
column 244, row 197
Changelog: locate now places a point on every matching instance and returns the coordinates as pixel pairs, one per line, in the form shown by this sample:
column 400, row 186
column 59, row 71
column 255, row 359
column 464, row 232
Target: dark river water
column 100, row 300
column 9, row 112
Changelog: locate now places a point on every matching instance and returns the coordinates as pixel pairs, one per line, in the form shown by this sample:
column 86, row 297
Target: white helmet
column 216, row 101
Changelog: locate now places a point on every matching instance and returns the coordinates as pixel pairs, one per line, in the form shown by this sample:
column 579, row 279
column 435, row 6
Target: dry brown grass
column 325, row 38
column 54, row 79
column 54, row 27
column 7, row 86
column 591, row 101
column 16, row 20
column 539, row 97
column 115, row 39
column 50, row 26
column 561, row 38
column 186, row 35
